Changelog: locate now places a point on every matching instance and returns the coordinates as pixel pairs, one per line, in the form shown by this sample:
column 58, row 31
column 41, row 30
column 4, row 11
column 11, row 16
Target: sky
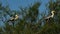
column 15, row 4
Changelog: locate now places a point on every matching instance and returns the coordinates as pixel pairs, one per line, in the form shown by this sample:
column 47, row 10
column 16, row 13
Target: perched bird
column 14, row 18
column 49, row 18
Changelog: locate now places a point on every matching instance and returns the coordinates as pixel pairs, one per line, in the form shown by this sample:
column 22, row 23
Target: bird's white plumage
column 16, row 17
column 11, row 18
column 52, row 12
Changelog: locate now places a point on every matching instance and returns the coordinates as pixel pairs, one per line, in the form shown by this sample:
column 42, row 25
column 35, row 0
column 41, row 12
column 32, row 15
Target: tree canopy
column 28, row 22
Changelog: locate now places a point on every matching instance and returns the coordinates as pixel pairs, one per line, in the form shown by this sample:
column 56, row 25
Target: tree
column 21, row 26
column 28, row 24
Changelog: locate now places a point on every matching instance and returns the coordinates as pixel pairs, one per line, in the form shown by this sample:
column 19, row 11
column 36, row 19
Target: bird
column 48, row 19
column 50, row 16
column 12, row 19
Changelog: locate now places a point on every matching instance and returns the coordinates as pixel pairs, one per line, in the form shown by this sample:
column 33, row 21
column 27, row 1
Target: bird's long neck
column 52, row 14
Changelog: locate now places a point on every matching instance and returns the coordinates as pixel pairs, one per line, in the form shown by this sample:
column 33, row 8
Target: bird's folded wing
column 47, row 17
column 11, row 18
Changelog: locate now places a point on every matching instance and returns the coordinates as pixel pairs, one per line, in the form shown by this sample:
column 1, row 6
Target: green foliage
column 28, row 24
column 33, row 12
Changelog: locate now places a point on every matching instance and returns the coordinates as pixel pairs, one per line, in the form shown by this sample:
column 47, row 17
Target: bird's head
column 53, row 11
column 16, row 17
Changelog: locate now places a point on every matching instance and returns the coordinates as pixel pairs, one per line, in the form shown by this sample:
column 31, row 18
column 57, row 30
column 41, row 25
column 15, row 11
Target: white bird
column 48, row 19
column 51, row 16
column 14, row 18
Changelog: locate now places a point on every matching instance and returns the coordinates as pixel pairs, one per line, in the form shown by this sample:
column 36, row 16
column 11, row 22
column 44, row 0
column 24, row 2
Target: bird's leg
column 13, row 24
column 47, row 22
